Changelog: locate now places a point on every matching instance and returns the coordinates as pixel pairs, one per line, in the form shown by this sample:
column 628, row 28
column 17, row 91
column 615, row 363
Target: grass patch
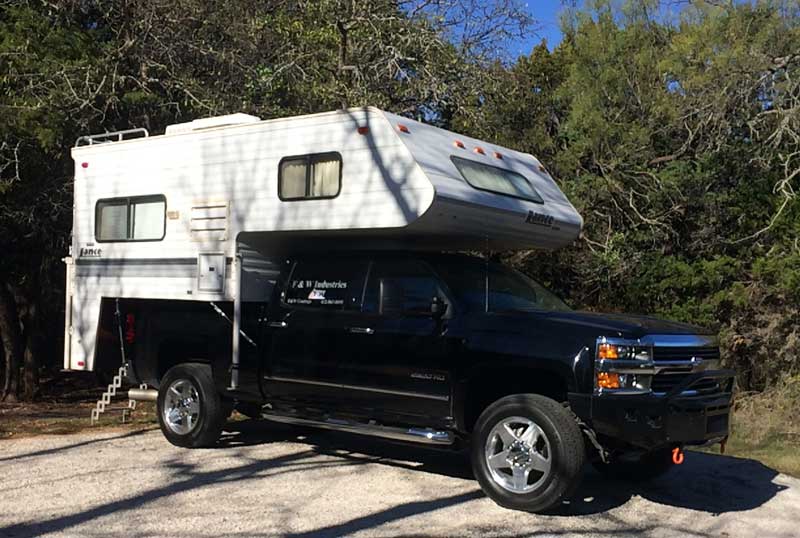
column 64, row 406
column 26, row 420
column 766, row 427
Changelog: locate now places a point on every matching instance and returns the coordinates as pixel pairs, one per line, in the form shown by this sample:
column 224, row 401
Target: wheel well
column 178, row 351
column 488, row 386
column 172, row 332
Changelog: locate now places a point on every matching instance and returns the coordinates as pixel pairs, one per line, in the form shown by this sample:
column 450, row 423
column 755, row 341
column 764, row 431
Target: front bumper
column 681, row 416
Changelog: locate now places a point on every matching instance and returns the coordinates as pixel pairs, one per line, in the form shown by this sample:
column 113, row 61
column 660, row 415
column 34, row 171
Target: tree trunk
column 30, row 367
column 12, row 343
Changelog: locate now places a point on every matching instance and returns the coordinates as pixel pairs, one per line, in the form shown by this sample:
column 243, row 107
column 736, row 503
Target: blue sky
column 546, row 13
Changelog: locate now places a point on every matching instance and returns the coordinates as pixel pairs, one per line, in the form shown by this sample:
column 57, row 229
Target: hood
column 625, row 325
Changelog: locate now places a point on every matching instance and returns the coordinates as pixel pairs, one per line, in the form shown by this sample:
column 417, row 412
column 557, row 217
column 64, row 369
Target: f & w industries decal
column 317, row 292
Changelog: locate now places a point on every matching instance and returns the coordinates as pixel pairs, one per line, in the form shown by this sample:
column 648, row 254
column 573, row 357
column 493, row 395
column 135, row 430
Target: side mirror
column 438, row 308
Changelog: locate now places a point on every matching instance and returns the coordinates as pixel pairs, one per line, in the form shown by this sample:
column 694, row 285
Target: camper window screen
column 334, row 285
column 140, row 218
column 310, row 176
column 498, row 180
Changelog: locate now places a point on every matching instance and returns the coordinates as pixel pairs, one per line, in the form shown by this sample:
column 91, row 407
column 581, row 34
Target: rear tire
column 648, row 466
column 527, row 452
column 190, row 411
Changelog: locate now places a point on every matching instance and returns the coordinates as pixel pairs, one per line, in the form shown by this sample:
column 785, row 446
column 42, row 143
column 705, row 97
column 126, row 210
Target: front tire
column 527, row 452
column 190, row 411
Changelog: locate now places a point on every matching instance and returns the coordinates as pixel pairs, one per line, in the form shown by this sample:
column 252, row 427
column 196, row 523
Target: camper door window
column 306, row 177
column 139, row 218
column 498, row 180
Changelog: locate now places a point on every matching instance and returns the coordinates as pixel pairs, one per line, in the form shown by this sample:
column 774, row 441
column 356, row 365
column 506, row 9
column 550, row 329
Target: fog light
column 607, row 380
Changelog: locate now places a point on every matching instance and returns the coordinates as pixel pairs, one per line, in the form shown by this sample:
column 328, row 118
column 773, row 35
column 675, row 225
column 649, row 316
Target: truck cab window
column 406, row 287
column 326, row 285
column 509, row 290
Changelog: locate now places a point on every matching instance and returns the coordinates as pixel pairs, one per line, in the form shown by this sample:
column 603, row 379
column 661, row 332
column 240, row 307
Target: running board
column 415, row 435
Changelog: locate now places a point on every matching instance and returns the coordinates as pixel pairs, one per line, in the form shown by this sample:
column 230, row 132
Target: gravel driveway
column 270, row 480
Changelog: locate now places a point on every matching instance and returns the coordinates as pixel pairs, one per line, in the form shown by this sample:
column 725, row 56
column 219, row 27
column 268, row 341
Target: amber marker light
column 402, row 128
column 459, row 144
column 607, row 351
column 607, row 380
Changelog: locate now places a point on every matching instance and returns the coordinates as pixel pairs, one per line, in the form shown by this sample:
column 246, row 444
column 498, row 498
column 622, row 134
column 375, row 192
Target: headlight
column 623, row 366
column 630, row 352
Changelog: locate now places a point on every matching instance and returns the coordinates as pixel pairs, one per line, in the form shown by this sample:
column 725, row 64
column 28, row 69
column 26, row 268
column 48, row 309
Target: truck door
column 305, row 328
column 399, row 362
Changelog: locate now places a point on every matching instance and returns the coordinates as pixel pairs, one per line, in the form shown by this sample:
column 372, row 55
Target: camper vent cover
column 211, row 123
column 209, row 221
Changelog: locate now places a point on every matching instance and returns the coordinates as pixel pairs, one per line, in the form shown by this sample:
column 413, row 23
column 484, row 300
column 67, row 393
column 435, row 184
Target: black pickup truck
column 449, row 350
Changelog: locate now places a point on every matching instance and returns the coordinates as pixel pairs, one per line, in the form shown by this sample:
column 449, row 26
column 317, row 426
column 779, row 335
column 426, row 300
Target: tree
column 88, row 66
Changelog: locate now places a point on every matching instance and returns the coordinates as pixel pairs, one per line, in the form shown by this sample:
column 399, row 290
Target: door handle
column 278, row 324
column 360, row 330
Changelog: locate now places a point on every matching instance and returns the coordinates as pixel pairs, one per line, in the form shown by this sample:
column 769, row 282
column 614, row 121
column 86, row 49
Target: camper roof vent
column 210, row 123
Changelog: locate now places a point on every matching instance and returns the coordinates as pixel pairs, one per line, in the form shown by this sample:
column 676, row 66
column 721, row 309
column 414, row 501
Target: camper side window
column 139, row 218
column 310, row 176
column 498, row 180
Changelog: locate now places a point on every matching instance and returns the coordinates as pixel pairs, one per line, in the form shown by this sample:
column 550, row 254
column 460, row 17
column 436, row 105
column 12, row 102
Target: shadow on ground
column 705, row 482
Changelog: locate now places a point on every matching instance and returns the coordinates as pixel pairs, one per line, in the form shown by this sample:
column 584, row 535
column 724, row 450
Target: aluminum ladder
column 105, row 399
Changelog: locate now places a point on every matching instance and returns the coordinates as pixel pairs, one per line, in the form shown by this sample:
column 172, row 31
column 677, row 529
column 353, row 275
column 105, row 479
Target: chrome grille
column 684, row 353
column 675, row 374
column 665, row 382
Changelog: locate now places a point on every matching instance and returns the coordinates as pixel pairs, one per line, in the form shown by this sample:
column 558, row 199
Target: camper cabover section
column 486, row 194
column 201, row 212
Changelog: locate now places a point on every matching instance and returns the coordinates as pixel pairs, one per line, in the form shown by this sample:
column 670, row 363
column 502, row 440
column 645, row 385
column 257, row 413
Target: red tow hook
column 677, row 455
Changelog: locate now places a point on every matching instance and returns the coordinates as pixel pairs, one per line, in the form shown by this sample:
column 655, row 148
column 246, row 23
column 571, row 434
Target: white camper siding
column 381, row 185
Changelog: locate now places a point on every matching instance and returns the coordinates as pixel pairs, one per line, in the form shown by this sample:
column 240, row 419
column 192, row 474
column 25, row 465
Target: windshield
column 509, row 290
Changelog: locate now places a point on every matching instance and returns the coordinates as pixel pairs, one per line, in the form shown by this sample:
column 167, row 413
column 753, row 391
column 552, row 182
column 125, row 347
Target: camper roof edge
column 231, row 121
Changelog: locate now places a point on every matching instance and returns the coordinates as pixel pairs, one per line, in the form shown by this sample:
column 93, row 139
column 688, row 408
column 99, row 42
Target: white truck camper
column 208, row 211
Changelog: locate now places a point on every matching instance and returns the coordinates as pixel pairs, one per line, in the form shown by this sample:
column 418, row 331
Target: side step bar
column 415, row 435
column 427, row 436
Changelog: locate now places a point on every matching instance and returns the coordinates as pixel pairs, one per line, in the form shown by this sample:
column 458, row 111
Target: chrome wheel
column 518, row 454
column 181, row 406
